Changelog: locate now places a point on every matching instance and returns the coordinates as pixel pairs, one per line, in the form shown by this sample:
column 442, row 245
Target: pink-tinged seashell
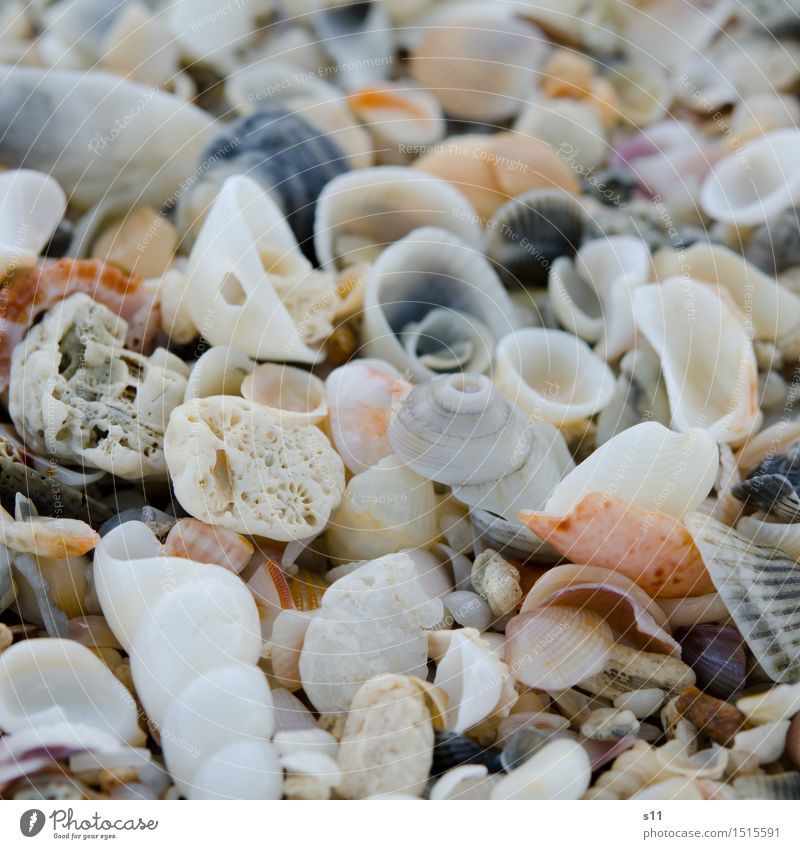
column 204, row 543
column 626, row 607
column 554, row 648
column 92, row 632
column 32, row 292
column 652, row 549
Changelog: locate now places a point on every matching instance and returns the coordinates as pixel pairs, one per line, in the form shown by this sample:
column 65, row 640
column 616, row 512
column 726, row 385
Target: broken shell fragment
column 295, row 396
column 626, row 670
column 560, row 770
column 497, row 581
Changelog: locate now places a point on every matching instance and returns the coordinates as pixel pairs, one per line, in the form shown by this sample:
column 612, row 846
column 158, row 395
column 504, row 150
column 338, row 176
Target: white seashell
column 559, row 770
column 765, row 743
column 359, row 213
column 757, row 114
column 219, row 371
column 295, row 396
column 388, row 717
column 369, row 622
column 471, row 675
column 46, row 680
column 552, row 376
column 571, row 127
column 554, row 648
column 648, row 466
column 384, row 509
column 433, row 304
column 313, row 740
column 468, row 609
column 285, row 644
column 239, row 770
column 755, row 182
column 642, row 703
column 611, row 269
column 670, row 788
column 685, row 612
column 776, row 704
column 77, row 394
column 162, row 135
column 643, row 92
column 290, row 713
column 609, row 724
column 772, row 535
column 707, row 357
column 361, row 397
column 244, row 260
column 463, row 782
column 232, row 463
column 31, row 205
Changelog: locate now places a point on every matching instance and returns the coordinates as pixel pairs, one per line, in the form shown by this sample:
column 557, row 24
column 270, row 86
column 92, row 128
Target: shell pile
column 398, row 399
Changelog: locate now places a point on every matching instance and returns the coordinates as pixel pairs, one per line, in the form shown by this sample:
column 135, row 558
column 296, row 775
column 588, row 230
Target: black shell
column 717, row 655
column 773, row 485
column 451, row 750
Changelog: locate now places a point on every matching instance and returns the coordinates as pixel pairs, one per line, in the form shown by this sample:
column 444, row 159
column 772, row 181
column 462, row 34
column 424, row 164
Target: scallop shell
column 384, row 509
column 528, row 233
column 756, row 584
column 490, row 170
column 630, row 612
column 433, row 305
column 611, row 270
column 651, row 548
column 360, row 213
column 219, row 371
column 295, row 396
column 361, row 397
column 559, row 770
column 205, row 544
column 553, row 648
column 45, row 681
column 478, row 72
column 710, row 374
column 234, row 464
column 731, row 195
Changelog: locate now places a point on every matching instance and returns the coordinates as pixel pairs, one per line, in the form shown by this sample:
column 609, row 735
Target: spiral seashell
column 433, row 305
column 772, row 486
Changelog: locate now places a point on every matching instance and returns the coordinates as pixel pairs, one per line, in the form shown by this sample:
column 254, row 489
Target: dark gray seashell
column 291, row 159
column 451, row 750
column 529, row 232
column 775, row 245
column 157, row 520
column 512, row 540
column 772, row 486
column 783, row 785
column 717, row 655
column 523, row 744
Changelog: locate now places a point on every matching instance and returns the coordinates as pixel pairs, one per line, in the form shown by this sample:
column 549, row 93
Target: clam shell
column 710, row 374
column 651, row 548
column 553, row 648
column 552, row 376
column 360, row 213
column 716, row 653
column 295, row 395
column 433, row 305
column 758, row 585
column 727, row 195
column 559, row 770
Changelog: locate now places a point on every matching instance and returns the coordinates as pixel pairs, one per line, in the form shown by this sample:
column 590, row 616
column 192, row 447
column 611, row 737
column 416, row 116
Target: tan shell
column 497, row 581
column 387, row 744
column 143, row 242
column 627, row 670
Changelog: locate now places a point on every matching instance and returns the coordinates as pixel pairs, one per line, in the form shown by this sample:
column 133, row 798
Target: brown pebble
column 718, row 719
column 793, row 741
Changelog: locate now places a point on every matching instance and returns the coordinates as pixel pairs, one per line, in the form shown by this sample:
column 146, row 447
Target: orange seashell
column 204, row 543
column 567, row 74
column 652, row 549
column 274, row 591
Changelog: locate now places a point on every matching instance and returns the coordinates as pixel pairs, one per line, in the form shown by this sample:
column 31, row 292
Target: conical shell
column 760, row 587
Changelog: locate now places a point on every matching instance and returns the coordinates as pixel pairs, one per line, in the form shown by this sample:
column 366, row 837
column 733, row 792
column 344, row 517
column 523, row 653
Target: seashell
column 629, row 611
column 490, row 170
column 777, row 703
column 462, row 782
column 294, row 395
column 388, row 715
column 143, row 242
column 756, row 585
column 632, row 771
column 717, row 656
column 290, row 713
column 627, row 670
column 560, row 770
column 270, row 146
column 651, row 548
column 158, row 521
column 781, row 785
column 772, row 487
column 551, row 375
column 98, row 148
column 43, row 536
column 729, row 196
column 468, row 610
column 687, row 612
column 610, row 269
column 497, row 581
column 92, row 632
column 451, row 750
column 772, row 310
column 286, row 642
column 361, row 396
column 478, row 72
column 765, row 744
column 32, row 205
column 105, row 406
column 641, row 703
column 384, row 509
column 219, row 371
column 510, row 539
column 771, row 247
column 553, row 648
column 203, row 543
column 370, row 622
column 360, row 213
column 775, row 439
column 528, row 233
column 274, row 593
column 642, row 92
column 400, row 117
column 221, row 480
column 46, row 681
column 471, row 675
column 609, row 724
column 34, row 599
column 229, row 33
column 433, row 305
column 711, row 376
